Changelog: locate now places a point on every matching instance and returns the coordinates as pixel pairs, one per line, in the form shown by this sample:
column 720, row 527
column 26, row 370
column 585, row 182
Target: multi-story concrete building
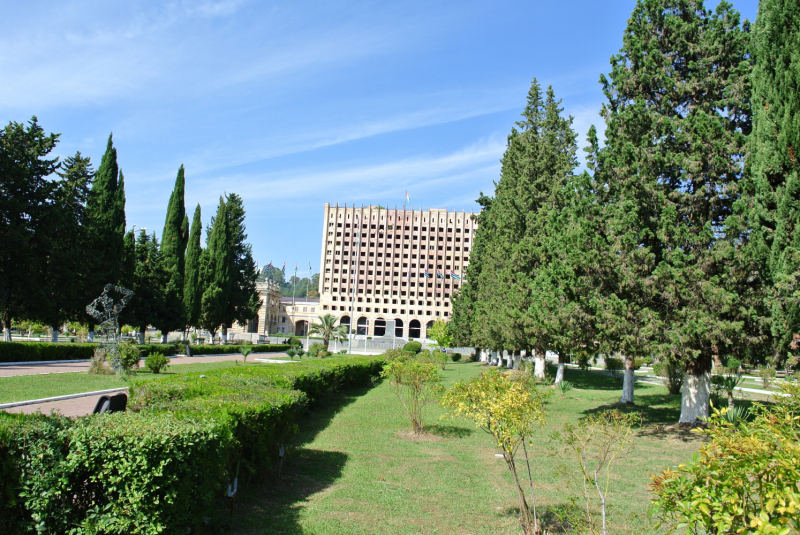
column 298, row 314
column 379, row 264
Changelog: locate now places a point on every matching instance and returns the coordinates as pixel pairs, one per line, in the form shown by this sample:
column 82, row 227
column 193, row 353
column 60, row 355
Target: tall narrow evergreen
column 773, row 164
column 243, row 301
column 192, row 287
column 105, row 213
column 673, row 157
column 216, row 271
column 173, row 248
column 149, row 279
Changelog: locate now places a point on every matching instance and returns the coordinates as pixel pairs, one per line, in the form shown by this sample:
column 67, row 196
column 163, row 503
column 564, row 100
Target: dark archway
column 300, row 328
column 380, row 327
column 252, row 325
column 428, row 328
column 361, row 325
column 345, row 320
column 398, row 328
column 413, row 329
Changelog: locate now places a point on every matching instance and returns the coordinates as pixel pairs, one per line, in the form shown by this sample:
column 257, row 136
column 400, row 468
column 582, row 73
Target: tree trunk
column 730, row 400
column 500, row 358
column 6, row 324
column 560, row 371
column 90, row 337
column 141, row 335
column 517, row 360
column 695, row 397
column 54, row 339
column 539, row 366
column 628, row 381
column 164, row 337
column 224, row 335
column 511, row 357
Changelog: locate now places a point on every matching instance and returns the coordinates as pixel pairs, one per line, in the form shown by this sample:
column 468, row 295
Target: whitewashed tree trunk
column 224, row 335
column 500, row 358
column 7, row 334
column 628, row 380
column 517, row 360
column 90, row 337
column 695, row 398
column 560, row 371
column 510, row 360
column 164, row 337
column 538, row 361
column 141, row 337
column 54, row 339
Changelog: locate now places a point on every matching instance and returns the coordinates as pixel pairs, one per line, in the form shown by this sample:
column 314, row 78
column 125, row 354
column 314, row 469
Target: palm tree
column 327, row 328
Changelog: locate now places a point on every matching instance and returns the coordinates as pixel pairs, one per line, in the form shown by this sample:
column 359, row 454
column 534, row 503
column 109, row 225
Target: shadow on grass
column 586, row 380
column 448, row 431
column 275, row 506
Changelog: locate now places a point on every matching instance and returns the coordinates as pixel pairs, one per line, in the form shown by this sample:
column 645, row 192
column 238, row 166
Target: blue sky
column 294, row 104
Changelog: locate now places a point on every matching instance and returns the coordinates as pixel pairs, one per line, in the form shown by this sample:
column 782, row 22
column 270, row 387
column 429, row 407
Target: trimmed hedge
column 162, row 466
column 48, row 351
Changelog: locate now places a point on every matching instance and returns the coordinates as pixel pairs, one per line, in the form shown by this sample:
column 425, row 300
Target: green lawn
column 353, row 469
column 25, row 387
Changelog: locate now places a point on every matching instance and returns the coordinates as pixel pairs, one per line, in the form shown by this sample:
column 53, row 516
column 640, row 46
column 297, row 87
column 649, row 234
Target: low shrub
column 455, row 357
column 412, row 347
column 155, row 362
column 98, row 365
column 318, row 350
column 613, row 364
column 129, row 356
column 209, row 349
column 162, row 466
column 393, row 354
column 671, row 376
column 767, row 375
column 48, row 351
column 733, row 364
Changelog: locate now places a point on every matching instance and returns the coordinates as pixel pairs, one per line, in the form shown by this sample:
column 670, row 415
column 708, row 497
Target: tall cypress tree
column 149, row 279
column 192, row 287
column 173, row 249
column 105, row 215
column 216, row 271
column 243, row 301
column 773, row 164
column 673, row 154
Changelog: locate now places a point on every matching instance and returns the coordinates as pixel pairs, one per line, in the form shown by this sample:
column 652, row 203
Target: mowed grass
column 353, row 468
column 26, row 387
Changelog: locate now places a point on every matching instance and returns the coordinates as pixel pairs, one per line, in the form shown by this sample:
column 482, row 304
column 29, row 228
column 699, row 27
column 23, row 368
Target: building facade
column 268, row 319
column 379, row 264
column 298, row 314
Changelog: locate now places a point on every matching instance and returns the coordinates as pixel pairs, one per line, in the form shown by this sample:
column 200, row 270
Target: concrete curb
column 61, row 398
column 36, row 362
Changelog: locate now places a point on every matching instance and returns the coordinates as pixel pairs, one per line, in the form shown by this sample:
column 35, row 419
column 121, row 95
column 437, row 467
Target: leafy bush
column 318, row 350
column 733, row 364
column 583, row 360
column 416, row 384
column 744, row 478
column 412, row 347
column 129, row 356
column 613, row 364
column 155, row 362
column 209, row 349
column 564, row 387
column 455, row 357
column 671, row 376
column 392, row 354
column 44, row 351
column 767, row 375
column 161, row 466
column 98, row 365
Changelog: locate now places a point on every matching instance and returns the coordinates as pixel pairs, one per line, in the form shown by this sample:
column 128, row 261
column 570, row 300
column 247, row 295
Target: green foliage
column 595, row 444
column 174, row 239
column 416, row 384
column 613, row 364
column 455, row 357
column 192, row 289
column 245, row 350
column 767, row 375
column 129, row 356
column 318, row 350
column 725, row 383
column 440, row 332
column 671, row 376
column 164, row 465
column 412, row 347
column 216, row 276
column 509, row 410
column 743, row 479
column 243, row 300
column 733, row 364
column 228, row 349
column 564, row 387
column 155, row 362
column 327, row 329
column 43, row 351
column 98, row 365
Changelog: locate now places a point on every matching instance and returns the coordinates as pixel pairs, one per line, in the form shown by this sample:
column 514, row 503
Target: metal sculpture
column 106, row 311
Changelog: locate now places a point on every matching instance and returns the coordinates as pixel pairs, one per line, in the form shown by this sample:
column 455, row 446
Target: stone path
column 67, row 407
column 67, row 367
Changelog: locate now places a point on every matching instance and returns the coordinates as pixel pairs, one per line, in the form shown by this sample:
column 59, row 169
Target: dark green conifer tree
column 25, row 195
column 773, row 165
column 673, row 156
column 192, row 287
column 243, row 300
column 173, row 249
column 148, row 283
column 105, row 222
column 216, row 271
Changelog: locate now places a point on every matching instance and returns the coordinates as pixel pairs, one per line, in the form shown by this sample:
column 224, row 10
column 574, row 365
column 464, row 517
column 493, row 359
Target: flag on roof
column 456, row 277
column 408, row 199
column 427, row 275
column 284, row 268
column 439, row 274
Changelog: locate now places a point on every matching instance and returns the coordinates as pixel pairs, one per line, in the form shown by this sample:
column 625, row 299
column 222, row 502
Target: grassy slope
column 349, row 471
column 24, row 387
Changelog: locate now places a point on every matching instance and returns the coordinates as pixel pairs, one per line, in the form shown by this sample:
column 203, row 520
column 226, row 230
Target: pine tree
column 192, row 287
column 673, row 159
column 173, row 249
column 773, row 164
column 243, row 301
column 105, row 214
column 148, row 283
column 65, row 268
column 216, row 271
column 25, row 194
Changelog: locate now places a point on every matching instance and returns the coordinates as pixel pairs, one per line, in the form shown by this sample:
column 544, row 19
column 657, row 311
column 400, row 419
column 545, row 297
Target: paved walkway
column 68, row 367
column 67, row 407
